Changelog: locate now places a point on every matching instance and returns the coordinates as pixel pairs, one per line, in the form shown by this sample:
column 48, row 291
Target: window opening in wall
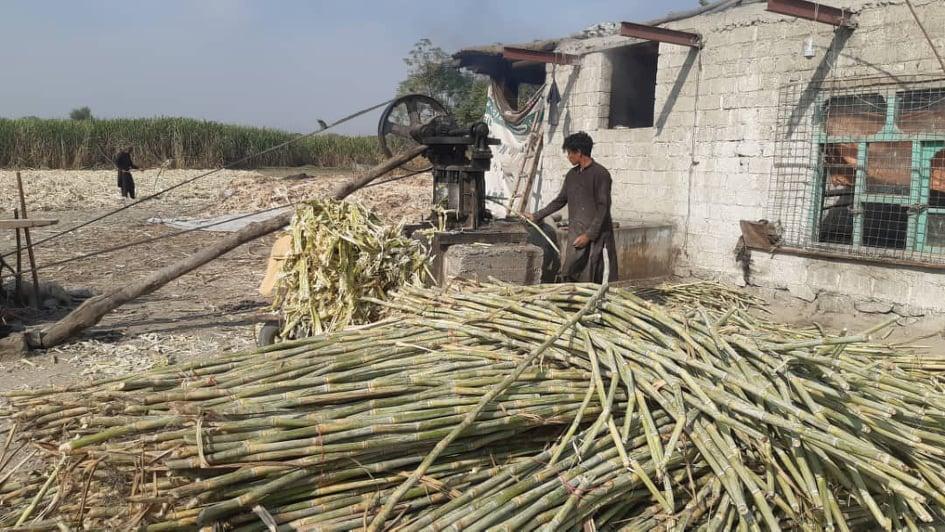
column 936, row 228
column 633, row 85
column 937, row 180
column 888, row 168
column 860, row 168
column 921, row 112
column 863, row 114
column 885, row 225
column 872, row 181
column 836, row 218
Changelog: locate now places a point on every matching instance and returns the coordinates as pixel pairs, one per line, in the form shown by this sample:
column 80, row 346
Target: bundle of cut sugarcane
column 341, row 253
column 498, row 407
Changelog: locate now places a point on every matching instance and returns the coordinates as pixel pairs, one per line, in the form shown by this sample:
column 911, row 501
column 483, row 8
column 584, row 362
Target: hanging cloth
column 554, row 98
column 510, row 114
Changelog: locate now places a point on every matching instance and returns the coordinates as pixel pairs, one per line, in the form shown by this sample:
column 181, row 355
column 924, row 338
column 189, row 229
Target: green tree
column 430, row 72
column 81, row 113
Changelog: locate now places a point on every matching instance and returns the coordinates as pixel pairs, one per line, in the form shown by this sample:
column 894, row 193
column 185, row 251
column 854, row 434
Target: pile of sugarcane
column 505, row 408
column 341, row 254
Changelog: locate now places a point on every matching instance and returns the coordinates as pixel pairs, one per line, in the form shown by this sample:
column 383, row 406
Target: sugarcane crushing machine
column 459, row 156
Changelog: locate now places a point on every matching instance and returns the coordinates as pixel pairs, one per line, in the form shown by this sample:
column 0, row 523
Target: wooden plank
column 835, row 256
column 812, row 11
column 537, row 56
column 653, row 33
column 18, row 282
column 23, row 223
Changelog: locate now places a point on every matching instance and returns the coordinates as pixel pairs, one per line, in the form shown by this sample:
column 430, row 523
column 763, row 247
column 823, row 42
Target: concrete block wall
column 707, row 161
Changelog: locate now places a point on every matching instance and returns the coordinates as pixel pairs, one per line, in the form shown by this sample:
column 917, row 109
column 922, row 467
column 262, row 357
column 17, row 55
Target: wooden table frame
column 21, row 222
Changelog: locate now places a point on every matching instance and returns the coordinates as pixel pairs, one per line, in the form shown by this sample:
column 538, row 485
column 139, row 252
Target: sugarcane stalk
column 388, row 506
column 793, row 427
column 42, row 492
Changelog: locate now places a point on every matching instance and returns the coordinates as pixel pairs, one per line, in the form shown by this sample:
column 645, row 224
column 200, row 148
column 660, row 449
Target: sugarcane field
column 342, row 266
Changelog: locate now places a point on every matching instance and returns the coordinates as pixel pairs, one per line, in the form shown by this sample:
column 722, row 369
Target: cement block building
column 835, row 134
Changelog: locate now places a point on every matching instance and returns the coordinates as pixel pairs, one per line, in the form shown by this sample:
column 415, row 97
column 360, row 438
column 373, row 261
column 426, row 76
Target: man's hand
column 529, row 216
column 582, row 240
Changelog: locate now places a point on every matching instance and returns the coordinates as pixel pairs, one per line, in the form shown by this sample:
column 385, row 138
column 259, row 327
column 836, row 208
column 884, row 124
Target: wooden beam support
column 837, row 256
column 523, row 54
column 654, row 33
column 809, row 10
column 18, row 279
column 22, row 223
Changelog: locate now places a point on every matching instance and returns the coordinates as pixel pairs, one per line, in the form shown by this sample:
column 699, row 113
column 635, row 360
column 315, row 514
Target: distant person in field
column 125, row 165
column 586, row 192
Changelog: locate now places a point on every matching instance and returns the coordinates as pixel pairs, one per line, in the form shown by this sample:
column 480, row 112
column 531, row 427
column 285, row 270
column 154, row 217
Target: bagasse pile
column 342, row 254
column 689, row 414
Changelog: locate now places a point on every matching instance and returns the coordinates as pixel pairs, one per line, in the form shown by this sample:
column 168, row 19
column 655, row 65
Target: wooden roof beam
column 524, row 54
column 809, row 10
column 655, row 33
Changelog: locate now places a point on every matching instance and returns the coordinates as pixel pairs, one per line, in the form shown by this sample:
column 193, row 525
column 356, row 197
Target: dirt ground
column 214, row 309
column 210, row 310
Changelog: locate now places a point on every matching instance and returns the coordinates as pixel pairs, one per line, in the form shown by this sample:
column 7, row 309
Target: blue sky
column 276, row 63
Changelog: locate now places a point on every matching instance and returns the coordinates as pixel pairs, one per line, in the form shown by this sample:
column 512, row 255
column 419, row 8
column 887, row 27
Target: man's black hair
column 580, row 142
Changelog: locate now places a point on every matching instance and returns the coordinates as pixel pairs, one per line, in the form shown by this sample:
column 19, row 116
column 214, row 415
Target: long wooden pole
column 94, row 309
column 29, row 242
column 18, row 276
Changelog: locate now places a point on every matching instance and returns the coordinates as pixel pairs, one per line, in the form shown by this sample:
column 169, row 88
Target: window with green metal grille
column 874, row 180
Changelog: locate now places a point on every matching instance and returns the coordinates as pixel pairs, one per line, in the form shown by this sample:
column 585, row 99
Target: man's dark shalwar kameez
column 586, row 192
column 125, row 181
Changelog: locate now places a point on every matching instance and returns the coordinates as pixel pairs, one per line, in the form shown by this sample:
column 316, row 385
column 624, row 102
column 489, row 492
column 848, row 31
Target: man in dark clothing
column 586, row 192
column 124, row 165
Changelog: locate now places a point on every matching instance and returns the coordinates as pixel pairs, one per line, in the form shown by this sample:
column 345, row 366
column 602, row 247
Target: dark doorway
column 633, row 85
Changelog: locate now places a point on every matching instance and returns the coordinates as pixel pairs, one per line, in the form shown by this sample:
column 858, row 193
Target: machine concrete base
column 511, row 263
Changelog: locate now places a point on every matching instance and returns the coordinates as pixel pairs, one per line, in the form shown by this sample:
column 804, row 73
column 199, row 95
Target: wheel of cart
column 269, row 325
column 267, row 332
